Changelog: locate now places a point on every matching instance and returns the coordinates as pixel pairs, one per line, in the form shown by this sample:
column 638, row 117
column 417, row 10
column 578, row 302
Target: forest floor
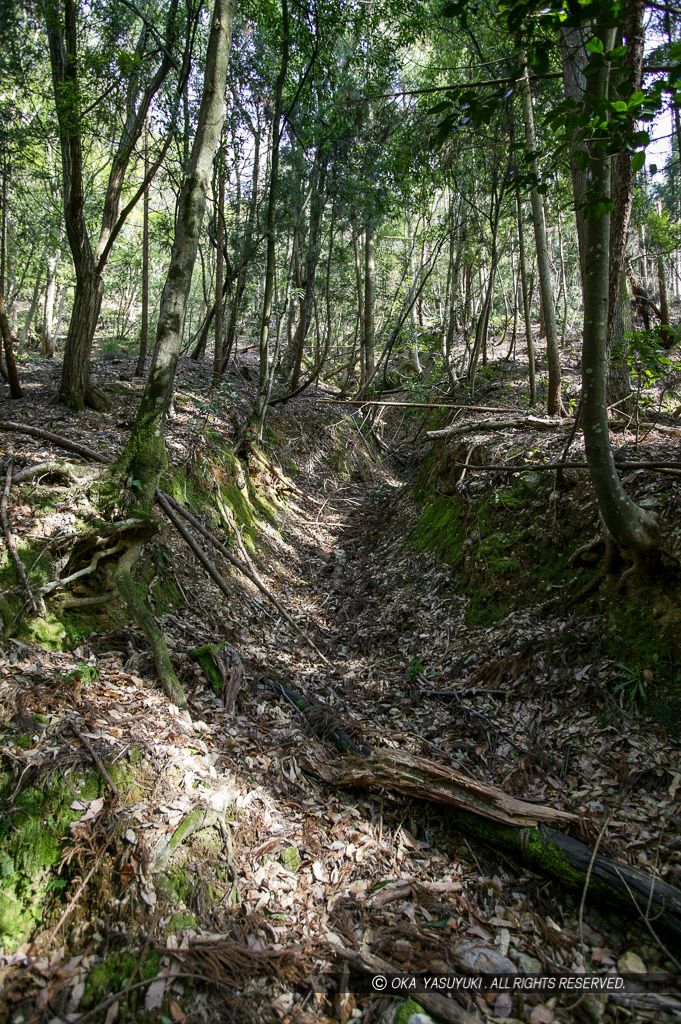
column 452, row 636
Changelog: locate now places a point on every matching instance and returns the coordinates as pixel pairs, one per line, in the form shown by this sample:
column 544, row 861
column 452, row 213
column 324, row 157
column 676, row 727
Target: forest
column 340, row 511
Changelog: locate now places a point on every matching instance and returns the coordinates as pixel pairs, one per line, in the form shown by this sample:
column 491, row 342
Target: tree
column 77, row 390
column 143, row 458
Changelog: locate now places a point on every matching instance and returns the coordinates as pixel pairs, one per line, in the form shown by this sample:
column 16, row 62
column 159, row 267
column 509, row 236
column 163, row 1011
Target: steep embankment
column 215, row 825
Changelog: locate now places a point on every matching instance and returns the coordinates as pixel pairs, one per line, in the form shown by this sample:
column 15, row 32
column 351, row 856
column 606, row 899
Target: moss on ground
column 504, row 557
column 641, row 634
column 34, row 827
column 115, row 974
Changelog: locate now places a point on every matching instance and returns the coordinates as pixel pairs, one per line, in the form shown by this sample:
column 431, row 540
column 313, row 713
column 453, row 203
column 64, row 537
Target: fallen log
column 517, row 423
column 515, row 826
column 425, row 780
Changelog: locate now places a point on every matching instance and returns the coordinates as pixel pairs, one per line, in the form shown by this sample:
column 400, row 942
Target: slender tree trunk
column 317, row 204
column 369, row 301
column 666, row 335
column 8, row 345
column 563, row 283
column 415, row 362
column 60, row 316
column 526, row 300
column 554, row 402
column 144, row 456
column 144, row 327
column 77, row 389
column 622, row 184
column 359, row 333
column 247, row 251
column 219, row 271
column 47, row 329
column 35, row 298
column 265, row 375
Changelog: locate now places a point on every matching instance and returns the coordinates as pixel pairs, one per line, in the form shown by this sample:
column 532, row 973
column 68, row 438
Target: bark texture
column 144, row 455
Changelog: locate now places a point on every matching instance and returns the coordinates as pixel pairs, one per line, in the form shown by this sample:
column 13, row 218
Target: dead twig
column 646, row 920
column 95, row 757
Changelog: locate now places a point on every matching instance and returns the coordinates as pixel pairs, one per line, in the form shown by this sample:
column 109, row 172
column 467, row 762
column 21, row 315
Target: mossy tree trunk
column 144, row 456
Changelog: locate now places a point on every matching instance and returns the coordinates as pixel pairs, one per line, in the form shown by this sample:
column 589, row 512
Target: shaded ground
column 518, row 690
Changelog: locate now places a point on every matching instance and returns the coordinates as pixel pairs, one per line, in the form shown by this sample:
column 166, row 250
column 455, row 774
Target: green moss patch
column 34, row 829
column 505, row 551
column 115, row 974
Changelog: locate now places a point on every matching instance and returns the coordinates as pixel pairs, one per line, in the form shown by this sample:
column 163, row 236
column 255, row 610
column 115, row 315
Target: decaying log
column 517, row 423
column 418, row 777
column 515, row 826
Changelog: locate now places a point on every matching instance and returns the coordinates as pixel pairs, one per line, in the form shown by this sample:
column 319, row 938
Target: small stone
column 631, row 963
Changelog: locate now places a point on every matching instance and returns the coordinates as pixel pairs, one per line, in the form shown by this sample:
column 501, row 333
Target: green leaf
column 636, row 98
column 450, row 10
column 595, row 45
column 638, row 160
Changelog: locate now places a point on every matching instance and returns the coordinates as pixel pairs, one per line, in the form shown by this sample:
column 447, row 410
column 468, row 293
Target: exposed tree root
column 138, row 609
column 47, row 435
column 65, row 470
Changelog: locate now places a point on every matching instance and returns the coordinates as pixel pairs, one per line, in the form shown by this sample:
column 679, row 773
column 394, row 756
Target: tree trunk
column 32, row 308
column 622, row 183
column 526, row 301
column 369, row 301
column 247, row 251
column 632, row 527
column 666, row 334
column 359, row 333
column 144, row 326
column 415, row 362
column 8, row 345
column 47, row 329
column 76, row 389
column 554, row 402
column 265, row 375
column 317, row 205
column 144, row 457
column 219, row 270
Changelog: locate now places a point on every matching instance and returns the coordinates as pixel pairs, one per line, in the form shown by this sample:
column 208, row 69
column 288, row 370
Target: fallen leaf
column 541, row 1015
column 156, row 993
